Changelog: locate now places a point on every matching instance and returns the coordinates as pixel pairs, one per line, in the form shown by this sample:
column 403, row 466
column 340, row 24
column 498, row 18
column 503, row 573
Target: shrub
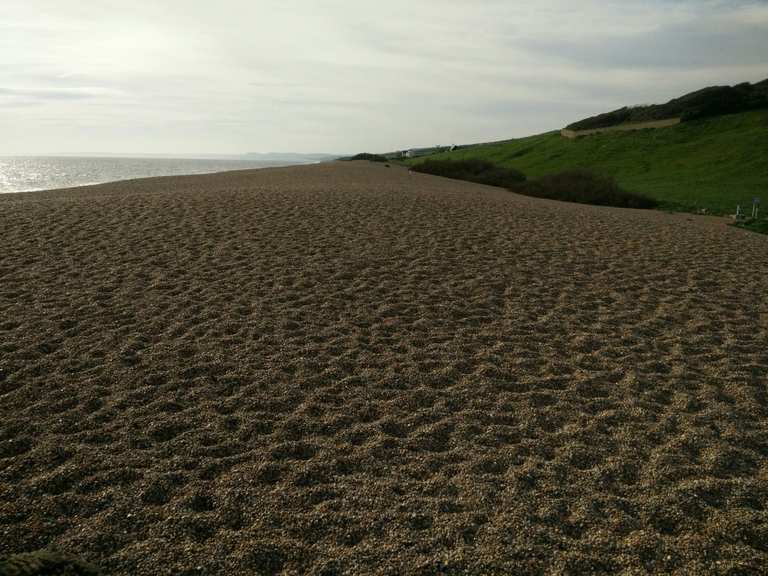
column 760, row 226
column 367, row 156
column 704, row 103
column 584, row 187
column 480, row 171
column 580, row 186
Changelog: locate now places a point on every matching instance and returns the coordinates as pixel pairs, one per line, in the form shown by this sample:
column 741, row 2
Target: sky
column 336, row 76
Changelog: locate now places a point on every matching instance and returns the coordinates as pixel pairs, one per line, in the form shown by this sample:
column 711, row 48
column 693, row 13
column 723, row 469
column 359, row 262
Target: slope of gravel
column 347, row 368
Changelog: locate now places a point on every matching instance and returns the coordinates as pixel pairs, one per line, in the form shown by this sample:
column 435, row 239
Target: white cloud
column 311, row 75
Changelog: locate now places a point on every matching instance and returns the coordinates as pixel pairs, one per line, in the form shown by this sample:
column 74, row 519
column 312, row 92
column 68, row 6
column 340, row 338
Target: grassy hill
column 712, row 163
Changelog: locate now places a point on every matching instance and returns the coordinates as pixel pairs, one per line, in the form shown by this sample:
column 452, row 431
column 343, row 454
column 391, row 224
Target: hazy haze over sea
column 32, row 173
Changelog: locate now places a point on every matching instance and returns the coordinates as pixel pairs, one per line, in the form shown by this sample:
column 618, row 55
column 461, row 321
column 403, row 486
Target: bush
column 584, row 187
column 367, row 156
column 704, row 103
column 480, row 171
column 760, row 226
column 580, row 186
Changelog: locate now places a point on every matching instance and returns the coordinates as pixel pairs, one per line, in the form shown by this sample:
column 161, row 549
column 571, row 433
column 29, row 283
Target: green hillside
column 713, row 163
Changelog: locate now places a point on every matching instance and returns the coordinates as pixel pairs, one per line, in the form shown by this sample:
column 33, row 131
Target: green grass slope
column 714, row 163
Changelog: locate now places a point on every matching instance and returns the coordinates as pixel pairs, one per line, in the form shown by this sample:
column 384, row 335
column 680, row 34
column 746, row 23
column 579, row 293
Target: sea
column 33, row 173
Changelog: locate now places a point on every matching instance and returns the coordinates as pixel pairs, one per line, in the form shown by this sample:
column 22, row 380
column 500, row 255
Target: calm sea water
column 29, row 173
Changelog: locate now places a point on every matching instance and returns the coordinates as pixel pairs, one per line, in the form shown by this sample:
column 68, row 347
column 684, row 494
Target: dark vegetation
column 759, row 225
column 367, row 156
column 704, row 103
column 585, row 187
column 45, row 563
column 473, row 170
column 580, row 186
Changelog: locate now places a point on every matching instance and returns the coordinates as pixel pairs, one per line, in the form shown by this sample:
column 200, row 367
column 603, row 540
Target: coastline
column 133, row 166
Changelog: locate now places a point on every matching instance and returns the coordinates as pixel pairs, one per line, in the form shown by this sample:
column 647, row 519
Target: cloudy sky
column 233, row 76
